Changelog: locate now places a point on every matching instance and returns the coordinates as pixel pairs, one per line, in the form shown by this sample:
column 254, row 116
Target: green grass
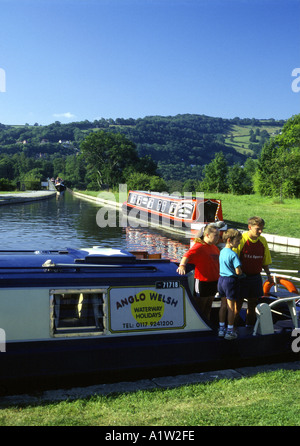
column 266, row 399
column 280, row 218
column 108, row 195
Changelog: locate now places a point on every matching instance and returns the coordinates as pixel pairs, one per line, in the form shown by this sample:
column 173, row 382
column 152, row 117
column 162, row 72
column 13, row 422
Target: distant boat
column 59, row 185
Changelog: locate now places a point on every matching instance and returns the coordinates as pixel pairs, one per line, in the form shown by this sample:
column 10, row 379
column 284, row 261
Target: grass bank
column 282, row 218
column 266, row 399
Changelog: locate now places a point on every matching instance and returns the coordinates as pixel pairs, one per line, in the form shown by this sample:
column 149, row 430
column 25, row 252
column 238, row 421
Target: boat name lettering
column 141, row 297
column 130, row 300
column 162, row 298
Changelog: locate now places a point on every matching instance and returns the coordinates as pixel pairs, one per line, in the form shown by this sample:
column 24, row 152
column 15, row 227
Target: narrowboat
column 172, row 211
column 59, row 185
column 77, row 316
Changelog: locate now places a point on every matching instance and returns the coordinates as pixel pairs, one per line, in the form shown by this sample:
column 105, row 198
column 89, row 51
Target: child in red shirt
column 204, row 254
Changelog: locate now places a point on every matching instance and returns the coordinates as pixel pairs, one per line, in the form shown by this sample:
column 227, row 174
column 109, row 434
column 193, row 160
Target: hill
column 181, row 145
column 248, row 139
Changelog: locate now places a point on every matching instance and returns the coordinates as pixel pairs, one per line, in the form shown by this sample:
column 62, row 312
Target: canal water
column 66, row 221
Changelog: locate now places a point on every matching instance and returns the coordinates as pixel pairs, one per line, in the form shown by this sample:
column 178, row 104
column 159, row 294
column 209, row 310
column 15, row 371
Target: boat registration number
column 167, row 284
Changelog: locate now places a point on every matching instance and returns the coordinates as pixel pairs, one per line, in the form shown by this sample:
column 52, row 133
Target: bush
column 6, row 185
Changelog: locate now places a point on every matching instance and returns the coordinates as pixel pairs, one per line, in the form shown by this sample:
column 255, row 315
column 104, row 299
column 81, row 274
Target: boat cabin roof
column 39, row 268
column 13, row 259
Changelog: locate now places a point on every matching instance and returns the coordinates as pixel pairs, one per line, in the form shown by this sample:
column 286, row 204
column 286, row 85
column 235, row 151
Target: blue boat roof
column 78, row 267
column 30, row 259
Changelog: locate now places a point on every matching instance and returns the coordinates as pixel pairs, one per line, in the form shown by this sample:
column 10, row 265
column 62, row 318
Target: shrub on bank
column 6, row 185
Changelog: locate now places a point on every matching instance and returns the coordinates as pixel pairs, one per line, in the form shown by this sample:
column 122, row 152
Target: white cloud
column 67, row 115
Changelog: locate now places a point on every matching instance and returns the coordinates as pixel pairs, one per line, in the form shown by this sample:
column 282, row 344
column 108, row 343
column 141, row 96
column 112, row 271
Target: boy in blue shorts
column 228, row 283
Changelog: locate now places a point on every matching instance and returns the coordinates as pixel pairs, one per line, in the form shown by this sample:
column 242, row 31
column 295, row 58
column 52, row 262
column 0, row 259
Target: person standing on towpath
column 204, row 254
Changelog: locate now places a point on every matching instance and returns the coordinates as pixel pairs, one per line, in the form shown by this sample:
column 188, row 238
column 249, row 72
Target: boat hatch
column 108, row 256
column 210, row 210
column 77, row 312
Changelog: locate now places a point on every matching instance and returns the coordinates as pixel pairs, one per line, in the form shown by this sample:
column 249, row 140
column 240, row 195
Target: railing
column 264, row 322
column 291, row 303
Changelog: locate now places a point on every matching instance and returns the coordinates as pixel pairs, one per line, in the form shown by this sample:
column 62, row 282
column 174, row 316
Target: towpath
column 23, row 197
column 145, row 384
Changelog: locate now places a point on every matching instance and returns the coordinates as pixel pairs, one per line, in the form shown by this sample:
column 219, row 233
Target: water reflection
column 55, row 224
column 285, row 260
column 152, row 240
column 147, row 239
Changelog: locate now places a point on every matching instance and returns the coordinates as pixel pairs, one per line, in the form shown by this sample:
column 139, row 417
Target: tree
column 157, row 184
column 279, row 163
column 239, row 183
column 7, row 168
column 59, row 167
column 215, row 175
column 107, row 155
column 143, row 181
column 75, row 171
column 190, row 186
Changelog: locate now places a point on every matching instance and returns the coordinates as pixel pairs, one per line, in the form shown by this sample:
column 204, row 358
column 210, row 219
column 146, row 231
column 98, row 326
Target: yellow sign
column 145, row 308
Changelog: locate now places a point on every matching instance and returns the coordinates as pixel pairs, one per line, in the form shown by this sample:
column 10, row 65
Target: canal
column 67, row 221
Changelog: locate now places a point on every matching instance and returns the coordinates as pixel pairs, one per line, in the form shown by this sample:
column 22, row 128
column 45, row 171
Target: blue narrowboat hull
column 82, row 361
column 75, row 317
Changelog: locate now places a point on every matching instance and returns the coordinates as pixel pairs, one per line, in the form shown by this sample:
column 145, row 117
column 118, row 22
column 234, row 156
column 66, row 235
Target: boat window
column 164, row 205
column 172, row 208
column 150, row 203
column 145, row 201
column 133, row 198
column 185, row 210
column 79, row 312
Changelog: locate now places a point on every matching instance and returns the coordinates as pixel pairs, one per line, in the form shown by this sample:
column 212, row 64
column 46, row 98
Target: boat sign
column 143, row 309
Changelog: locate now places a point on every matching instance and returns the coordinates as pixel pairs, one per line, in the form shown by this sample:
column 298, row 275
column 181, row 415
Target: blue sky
column 71, row 60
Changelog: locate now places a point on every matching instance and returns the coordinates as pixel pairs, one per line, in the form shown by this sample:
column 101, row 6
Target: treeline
column 189, row 139
column 278, row 167
column 182, row 145
column 275, row 173
column 175, row 149
column 30, row 171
